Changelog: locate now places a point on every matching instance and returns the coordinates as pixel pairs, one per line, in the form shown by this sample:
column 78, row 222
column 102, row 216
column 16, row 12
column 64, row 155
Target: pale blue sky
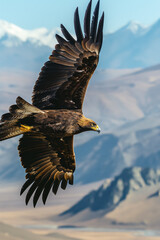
column 30, row 14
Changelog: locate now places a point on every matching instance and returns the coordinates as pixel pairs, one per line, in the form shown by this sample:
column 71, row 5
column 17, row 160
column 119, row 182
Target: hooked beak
column 96, row 128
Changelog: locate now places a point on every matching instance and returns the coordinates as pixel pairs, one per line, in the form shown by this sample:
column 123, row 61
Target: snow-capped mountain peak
column 136, row 28
column 12, row 35
column 132, row 46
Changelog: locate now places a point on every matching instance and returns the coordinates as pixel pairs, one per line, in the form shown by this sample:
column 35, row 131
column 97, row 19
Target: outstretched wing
column 63, row 80
column 47, row 162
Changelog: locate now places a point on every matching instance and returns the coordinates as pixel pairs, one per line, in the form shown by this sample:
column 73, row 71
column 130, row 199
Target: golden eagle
column 55, row 116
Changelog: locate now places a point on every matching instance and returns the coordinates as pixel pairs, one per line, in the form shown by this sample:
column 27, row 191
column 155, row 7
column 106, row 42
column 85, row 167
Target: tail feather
column 9, row 131
column 9, row 126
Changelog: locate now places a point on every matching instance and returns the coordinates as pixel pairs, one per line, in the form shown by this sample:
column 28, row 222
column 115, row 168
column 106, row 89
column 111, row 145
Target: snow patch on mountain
column 136, row 27
column 12, row 35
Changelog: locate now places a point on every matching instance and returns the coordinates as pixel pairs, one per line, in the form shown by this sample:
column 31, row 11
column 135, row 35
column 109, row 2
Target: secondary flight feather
column 55, row 115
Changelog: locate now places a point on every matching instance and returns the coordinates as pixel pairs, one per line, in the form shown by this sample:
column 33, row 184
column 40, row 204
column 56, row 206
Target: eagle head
column 87, row 124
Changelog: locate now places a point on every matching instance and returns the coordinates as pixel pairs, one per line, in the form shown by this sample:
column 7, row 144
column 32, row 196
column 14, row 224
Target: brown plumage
column 55, row 116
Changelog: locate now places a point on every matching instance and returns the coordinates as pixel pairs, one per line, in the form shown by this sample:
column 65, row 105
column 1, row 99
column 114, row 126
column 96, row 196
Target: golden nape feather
column 49, row 124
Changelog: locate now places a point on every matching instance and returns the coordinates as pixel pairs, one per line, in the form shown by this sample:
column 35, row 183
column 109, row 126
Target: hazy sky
column 30, row 14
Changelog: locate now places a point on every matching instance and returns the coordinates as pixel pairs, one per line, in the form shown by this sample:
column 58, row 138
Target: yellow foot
column 25, row 128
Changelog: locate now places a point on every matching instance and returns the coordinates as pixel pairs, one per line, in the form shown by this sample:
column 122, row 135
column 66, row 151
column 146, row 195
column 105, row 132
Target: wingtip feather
column 67, row 35
column 25, row 186
column 46, row 191
column 99, row 38
column 64, row 184
column 55, row 186
column 30, row 192
column 94, row 21
column 77, row 26
column 37, row 194
column 87, row 18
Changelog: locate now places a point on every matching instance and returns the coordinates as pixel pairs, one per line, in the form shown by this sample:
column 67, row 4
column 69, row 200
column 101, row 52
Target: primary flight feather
column 55, row 116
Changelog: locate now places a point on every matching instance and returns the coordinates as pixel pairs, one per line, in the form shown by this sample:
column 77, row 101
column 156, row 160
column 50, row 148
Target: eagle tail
column 10, row 122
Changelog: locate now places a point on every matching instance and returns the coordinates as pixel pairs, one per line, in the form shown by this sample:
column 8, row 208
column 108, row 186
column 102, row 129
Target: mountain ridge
column 39, row 36
column 109, row 195
column 131, row 46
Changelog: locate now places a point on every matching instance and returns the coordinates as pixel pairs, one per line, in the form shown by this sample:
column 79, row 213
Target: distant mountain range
column 131, row 200
column 131, row 46
column 110, row 195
